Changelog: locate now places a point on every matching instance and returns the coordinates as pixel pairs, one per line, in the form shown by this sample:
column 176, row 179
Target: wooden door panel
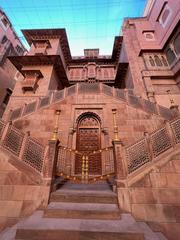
column 88, row 140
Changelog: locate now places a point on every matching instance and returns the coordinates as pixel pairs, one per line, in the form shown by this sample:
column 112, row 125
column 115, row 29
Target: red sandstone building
column 76, row 125
column 10, row 44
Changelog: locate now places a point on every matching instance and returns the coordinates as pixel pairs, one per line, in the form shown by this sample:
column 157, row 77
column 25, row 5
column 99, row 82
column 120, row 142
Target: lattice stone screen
column 120, row 94
column 137, row 155
column 107, row 90
column 176, row 130
column 149, row 106
column 58, row 95
column 13, row 140
column 34, row 154
column 160, row 141
column 2, row 125
column 165, row 112
column 62, row 157
column 15, row 113
column 108, row 159
column 88, row 88
column 30, row 108
column 71, row 90
column 44, row 102
column 135, row 101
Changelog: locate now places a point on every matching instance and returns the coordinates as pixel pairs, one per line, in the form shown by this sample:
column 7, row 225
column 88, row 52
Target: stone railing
column 21, row 145
column 92, row 88
column 152, row 146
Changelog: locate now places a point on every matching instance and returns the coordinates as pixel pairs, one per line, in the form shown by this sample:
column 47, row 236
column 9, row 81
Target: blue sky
column 88, row 23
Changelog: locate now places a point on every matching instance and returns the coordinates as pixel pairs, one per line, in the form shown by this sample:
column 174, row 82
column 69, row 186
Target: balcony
column 40, row 51
column 30, row 82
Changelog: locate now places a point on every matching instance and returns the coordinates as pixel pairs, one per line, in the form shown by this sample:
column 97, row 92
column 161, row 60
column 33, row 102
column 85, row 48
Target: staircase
column 81, row 212
column 123, row 95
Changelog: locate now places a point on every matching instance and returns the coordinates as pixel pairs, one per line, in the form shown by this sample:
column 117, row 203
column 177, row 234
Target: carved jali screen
column 88, row 140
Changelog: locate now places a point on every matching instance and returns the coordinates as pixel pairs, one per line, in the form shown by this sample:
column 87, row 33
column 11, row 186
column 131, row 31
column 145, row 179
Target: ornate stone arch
column 88, row 140
column 85, row 114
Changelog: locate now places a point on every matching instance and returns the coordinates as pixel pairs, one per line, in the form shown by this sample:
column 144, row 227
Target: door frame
column 78, row 127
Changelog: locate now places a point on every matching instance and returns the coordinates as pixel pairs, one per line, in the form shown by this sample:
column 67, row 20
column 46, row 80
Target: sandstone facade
column 120, row 111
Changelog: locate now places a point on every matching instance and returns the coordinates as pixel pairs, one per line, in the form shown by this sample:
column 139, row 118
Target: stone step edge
column 82, row 214
column 22, row 234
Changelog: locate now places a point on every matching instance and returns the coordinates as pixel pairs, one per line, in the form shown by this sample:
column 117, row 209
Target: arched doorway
column 89, row 140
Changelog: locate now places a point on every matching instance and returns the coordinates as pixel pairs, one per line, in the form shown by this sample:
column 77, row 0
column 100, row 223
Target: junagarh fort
column 90, row 145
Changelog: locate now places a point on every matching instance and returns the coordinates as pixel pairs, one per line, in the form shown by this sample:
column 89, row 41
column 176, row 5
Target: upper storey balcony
column 40, row 47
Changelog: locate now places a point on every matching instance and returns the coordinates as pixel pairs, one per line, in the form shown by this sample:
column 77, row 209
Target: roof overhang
column 22, row 61
column 41, row 34
column 117, row 47
column 121, row 75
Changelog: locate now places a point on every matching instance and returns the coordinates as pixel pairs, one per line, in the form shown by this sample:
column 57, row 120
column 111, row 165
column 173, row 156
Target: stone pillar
column 173, row 107
column 50, row 161
column 51, row 155
column 148, row 86
column 121, row 172
column 119, row 160
column 175, row 110
column 151, row 97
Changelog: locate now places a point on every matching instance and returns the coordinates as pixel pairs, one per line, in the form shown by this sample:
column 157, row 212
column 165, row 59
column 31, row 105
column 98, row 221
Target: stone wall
column 21, row 193
column 132, row 122
column 155, row 198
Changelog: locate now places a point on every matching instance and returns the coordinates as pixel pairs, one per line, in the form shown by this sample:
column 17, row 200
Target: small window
column 19, row 49
column 157, row 61
column 4, row 39
column 165, row 15
column 149, row 35
column 177, row 43
column 170, row 56
column 151, row 60
column 40, row 45
column 5, row 22
column 7, row 96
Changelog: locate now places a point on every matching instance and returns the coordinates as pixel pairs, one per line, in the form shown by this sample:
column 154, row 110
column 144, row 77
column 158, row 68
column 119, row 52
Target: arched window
column 4, row 39
column 164, row 61
column 170, row 55
column 177, row 43
column 157, row 61
column 151, row 60
column 165, row 15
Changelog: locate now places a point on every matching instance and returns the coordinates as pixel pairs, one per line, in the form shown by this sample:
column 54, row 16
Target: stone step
column 83, row 197
column 32, row 234
column 82, row 211
column 37, row 228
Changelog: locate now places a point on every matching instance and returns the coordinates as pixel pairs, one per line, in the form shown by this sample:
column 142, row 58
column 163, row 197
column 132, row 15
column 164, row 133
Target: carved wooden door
column 88, row 140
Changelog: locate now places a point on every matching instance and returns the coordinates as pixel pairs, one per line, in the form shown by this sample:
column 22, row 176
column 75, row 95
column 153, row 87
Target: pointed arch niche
column 88, row 139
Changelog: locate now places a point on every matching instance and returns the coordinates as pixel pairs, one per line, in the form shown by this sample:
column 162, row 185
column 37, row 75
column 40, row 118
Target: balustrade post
column 8, row 117
column 50, row 161
column 52, row 155
column 126, row 95
column 100, row 88
column 120, row 163
column 175, row 110
column 119, row 160
column 148, row 144
column 77, row 89
column 65, row 92
column 170, row 133
column 26, row 136
column 5, row 131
